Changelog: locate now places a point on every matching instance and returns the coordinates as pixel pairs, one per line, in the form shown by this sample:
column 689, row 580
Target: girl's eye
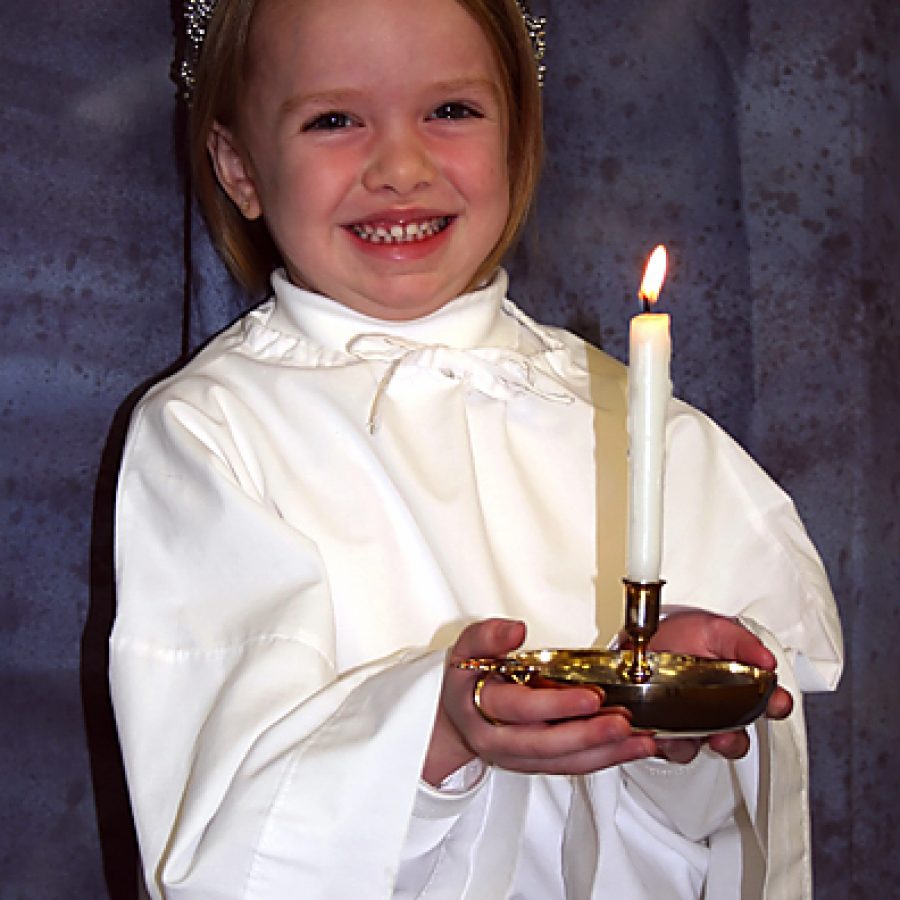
column 455, row 111
column 330, row 121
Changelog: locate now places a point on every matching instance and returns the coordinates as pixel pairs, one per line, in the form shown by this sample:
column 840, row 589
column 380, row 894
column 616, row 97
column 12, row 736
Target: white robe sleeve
column 440, row 815
column 735, row 545
column 249, row 759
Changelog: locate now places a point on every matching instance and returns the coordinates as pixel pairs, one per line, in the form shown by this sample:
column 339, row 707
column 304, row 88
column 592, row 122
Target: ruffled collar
column 480, row 339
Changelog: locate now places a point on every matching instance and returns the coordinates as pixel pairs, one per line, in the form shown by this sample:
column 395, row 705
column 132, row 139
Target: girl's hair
column 247, row 247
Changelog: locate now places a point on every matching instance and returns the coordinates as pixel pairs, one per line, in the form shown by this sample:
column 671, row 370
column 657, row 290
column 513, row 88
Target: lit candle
column 649, row 390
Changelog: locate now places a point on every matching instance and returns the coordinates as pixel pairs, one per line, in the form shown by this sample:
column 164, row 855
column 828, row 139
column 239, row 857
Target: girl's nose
column 400, row 163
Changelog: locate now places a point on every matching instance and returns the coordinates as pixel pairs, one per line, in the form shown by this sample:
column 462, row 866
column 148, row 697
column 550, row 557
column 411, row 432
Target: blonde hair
column 246, row 246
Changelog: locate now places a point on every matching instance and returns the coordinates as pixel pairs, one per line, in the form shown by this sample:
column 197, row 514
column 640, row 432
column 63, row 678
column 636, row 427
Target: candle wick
column 646, row 305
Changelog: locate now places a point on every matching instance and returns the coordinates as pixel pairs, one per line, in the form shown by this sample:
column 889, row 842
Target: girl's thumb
column 492, row 637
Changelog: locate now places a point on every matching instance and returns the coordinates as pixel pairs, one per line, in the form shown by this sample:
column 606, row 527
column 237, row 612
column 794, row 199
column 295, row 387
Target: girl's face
column 372, row 138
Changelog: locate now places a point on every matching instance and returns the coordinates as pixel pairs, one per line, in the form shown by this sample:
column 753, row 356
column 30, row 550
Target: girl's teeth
column 401, row 234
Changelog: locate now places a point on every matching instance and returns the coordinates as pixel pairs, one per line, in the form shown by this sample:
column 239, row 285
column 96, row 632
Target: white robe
column 289, row 580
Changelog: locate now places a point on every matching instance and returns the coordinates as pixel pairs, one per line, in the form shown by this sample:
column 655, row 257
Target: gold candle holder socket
column 642, row 603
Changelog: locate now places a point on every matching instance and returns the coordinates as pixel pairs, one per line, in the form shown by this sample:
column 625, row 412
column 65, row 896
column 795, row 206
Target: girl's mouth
column 400, row 233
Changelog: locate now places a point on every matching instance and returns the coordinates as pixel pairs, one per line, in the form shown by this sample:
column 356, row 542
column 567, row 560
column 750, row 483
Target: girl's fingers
column 705, row 634
column 732, row 745
column 517, row 704
column 546, row 746
column 592, row 759
column 541, row 729
column 730, row 640
column 491, row 637
column 679, row 750
column 780, row 704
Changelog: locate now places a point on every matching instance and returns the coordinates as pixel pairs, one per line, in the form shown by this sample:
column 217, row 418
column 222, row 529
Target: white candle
column 649, row 390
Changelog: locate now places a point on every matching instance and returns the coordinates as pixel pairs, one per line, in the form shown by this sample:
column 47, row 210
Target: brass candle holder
column 642, row 602
column 667, row 693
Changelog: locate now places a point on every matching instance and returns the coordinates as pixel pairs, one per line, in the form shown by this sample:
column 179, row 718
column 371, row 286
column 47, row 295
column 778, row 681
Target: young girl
column 388, row 467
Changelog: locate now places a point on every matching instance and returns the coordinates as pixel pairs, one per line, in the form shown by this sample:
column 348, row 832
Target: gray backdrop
column 759, row 140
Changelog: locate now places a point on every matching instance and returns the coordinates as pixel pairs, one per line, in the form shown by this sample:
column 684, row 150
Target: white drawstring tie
column 492, row 371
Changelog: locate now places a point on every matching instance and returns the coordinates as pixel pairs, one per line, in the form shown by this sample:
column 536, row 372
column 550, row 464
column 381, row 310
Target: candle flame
column 654, row 275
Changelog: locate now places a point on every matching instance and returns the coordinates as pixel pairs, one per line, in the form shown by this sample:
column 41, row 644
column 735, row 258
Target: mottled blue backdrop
column 759, row 140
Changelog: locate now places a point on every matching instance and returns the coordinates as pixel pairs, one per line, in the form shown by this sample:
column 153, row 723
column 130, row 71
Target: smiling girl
column 387, row 467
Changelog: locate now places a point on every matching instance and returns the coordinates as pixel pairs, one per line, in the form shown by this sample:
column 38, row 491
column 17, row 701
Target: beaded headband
column 197, row 15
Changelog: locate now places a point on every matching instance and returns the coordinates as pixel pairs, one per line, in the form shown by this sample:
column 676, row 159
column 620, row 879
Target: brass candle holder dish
column 663, row 692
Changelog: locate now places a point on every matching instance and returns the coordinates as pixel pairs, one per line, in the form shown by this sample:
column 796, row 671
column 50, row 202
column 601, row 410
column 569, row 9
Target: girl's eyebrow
column 467, row 84
column 345, row 96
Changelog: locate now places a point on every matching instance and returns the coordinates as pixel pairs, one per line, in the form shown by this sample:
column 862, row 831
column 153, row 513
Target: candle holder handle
column 642, row 602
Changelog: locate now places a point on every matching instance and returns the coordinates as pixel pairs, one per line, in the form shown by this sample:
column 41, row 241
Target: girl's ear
column 232, row 171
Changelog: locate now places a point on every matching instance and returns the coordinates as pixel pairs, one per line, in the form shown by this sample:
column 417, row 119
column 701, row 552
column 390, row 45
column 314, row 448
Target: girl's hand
column 716, row 637
column 547, row 730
